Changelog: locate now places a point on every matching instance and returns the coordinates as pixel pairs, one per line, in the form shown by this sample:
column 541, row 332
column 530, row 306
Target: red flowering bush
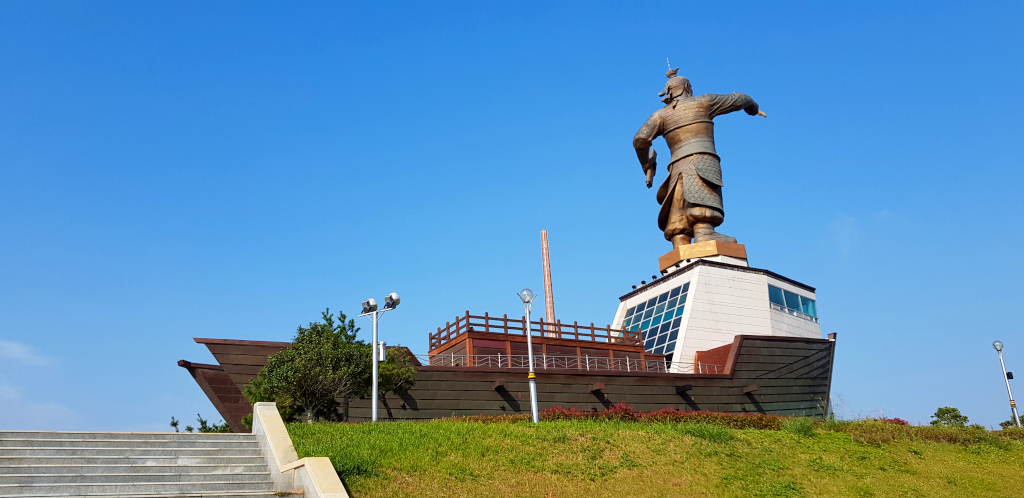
column 894, row 420
column 731, row 420
column 559, row 413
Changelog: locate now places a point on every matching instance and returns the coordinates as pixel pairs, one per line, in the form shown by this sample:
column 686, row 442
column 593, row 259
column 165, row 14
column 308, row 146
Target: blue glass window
column 775, row 295
column 792, row 300
column 808, row 307
column 793, row 303
column 659, row 319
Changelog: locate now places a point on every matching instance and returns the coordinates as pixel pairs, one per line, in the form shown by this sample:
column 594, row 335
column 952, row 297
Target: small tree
column 258, row 391
column 396, row 375
column 324, row 362
column 354, row 375
column 949, row 417
column 204, row 425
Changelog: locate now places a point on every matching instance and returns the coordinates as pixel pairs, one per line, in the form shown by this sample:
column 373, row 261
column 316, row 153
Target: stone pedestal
column 707, row 296
column 706, row 249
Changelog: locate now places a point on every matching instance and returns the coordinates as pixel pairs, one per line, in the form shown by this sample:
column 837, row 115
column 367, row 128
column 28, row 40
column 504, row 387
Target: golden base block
column 702, row 250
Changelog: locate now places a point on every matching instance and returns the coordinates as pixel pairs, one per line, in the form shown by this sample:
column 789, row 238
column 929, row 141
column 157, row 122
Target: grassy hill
column 627, row 458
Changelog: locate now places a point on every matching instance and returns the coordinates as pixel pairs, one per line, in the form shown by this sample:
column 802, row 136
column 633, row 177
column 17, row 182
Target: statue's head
column 675, row 87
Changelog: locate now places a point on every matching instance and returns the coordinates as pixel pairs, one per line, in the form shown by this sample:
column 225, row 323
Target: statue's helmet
column 675, row 87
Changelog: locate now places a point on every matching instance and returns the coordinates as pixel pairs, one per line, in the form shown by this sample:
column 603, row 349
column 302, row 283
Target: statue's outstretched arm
column 724, row 104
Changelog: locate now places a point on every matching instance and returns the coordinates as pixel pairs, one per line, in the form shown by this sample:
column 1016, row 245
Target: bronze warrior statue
column 691, row 196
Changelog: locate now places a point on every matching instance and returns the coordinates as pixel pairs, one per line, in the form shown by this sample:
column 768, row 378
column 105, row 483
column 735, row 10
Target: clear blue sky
column 180, row 170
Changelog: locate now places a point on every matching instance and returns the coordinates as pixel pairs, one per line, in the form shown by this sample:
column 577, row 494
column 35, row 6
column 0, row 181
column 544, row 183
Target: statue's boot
column 680, row 240
column 703, row 232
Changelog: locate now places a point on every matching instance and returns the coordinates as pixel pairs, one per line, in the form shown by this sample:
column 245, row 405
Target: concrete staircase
column 132, row 465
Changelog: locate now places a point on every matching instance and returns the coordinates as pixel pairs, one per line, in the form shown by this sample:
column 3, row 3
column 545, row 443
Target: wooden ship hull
column 475, row 368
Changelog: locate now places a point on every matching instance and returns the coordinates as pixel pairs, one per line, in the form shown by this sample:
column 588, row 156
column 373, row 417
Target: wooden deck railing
column 538, row 328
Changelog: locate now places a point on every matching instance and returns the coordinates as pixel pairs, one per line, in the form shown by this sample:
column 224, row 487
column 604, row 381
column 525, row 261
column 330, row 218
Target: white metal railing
column 796, row 313
column 549, row 362
column 517, row 327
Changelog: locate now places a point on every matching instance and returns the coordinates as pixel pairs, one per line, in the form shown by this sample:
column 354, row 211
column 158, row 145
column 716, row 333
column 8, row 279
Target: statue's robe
column 695, row 171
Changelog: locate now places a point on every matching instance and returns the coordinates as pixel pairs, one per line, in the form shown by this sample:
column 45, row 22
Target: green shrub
column 1013, row 433
column 799, row 426
column 835, row 425
column 874, row 431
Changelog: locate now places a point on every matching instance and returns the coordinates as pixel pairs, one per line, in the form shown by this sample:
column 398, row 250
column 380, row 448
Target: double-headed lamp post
column 998, row 345
column 527, row 296
column 370, row 310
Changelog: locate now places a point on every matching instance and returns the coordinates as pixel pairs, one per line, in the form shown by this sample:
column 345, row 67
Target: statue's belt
column 700, row 145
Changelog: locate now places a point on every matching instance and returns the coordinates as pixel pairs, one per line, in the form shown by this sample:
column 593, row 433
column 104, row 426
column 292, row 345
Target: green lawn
column 608, row 458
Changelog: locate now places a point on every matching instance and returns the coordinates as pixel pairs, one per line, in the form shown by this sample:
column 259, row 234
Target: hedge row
column 626, row 413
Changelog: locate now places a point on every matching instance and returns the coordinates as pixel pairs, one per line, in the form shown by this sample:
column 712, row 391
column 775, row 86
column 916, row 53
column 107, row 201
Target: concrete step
column 216, row 488
column 128, row 478
column 134, row 469
column 159, row 465
column 124, row 452
column 153, row 436
column 126, row 443
column 125, row 461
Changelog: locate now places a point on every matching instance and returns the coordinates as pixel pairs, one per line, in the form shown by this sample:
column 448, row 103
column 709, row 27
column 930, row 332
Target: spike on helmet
column 675, row 87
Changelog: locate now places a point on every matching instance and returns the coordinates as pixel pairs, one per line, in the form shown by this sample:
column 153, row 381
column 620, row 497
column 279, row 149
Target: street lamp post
column 527, row 296
column 370, row 309
column 998, row 346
